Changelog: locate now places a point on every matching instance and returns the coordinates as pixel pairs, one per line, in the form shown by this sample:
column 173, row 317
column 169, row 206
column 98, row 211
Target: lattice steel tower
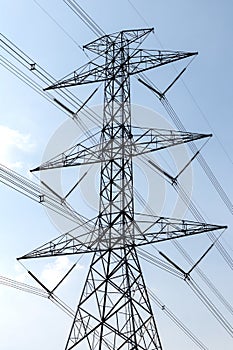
column 114, row 311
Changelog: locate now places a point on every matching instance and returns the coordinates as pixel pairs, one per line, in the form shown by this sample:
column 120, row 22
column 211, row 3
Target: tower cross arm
column 155, row 229
column 150, row 140
column 91, row 72
column 142, row 60
column 143, row 141
column 148, row 229
column 135, row 62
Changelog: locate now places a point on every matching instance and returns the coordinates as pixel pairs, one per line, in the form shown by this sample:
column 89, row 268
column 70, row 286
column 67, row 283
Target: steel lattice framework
column 114, row 311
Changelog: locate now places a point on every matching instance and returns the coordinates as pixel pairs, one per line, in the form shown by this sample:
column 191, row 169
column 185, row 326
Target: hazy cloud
column 11, row 143
column 55, row 271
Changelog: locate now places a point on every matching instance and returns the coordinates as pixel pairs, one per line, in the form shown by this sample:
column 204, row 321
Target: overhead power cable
column 197, row 290
column 150, row 258
column 208, row 123
column 205, row 279
column 63, row 97
column 39, row 89
column 186, row 87
column 203, row 297
column 211, row 307
column 201, row 160
column 45, row 293
column 36, row 291
column 23, row 287
column 171, row 112
column 83, row 15
column 44, row 197
column 172, row 316
column 158, row 262
column 190, row 204
column 58, row 24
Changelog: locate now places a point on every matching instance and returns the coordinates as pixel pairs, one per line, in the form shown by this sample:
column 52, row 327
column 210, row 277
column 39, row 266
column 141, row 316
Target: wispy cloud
column 54, row 272
column 51, row 274
column 12, row 143
column 21, row 274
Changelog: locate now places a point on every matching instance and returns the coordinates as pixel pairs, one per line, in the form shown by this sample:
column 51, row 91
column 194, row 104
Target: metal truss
column 141, row 141
column 146, row 229
column 114, row 310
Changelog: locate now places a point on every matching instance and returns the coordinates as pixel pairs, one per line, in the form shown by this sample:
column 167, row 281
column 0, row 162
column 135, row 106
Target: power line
column 44, row 77
column 58, row 24
column 184, row 253
column 188, row 90
column 174, row 318
column 83, row 15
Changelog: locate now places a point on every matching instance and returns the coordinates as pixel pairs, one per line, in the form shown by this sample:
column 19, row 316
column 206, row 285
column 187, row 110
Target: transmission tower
column 114, row 311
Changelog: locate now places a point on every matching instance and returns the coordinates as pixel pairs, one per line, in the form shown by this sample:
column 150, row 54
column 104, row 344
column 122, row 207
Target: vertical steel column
column 116, row 183
column 114, row 311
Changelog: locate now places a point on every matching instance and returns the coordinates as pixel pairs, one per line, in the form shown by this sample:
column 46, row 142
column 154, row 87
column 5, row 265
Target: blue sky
column 203, row 100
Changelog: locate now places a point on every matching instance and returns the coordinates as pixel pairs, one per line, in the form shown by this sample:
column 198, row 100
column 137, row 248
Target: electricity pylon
column 114, row 311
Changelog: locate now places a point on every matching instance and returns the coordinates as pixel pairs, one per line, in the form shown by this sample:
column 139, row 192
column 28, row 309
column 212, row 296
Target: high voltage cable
column 205, row 279
column 65, row 308
column 38, row 88
column 44, row 76
column 201, row 295
column 158, row 262
column 58, row 24
column 22, row 286
column 36, row 291
column 204, row 166
column 222, row 194
column 171, row 112
column 186, row 87
column 34, row 192
column 200, row 158
column 83, row 15
column 195, row 212
column 197, row 215
column 172, row 316
column 188, row 258
column 207, row 121
column 198, row 291
column 211, row 307
column 192, row 146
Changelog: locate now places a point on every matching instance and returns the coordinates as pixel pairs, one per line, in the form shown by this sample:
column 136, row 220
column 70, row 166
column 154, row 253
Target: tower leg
column 114, row 311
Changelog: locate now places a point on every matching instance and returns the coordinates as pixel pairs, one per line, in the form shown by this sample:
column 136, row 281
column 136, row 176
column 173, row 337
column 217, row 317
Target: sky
column 31, row 127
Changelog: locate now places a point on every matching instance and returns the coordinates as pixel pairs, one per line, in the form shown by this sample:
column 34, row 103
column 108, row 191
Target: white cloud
column 54, row 272
column 11, row 142
column 21, row 274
